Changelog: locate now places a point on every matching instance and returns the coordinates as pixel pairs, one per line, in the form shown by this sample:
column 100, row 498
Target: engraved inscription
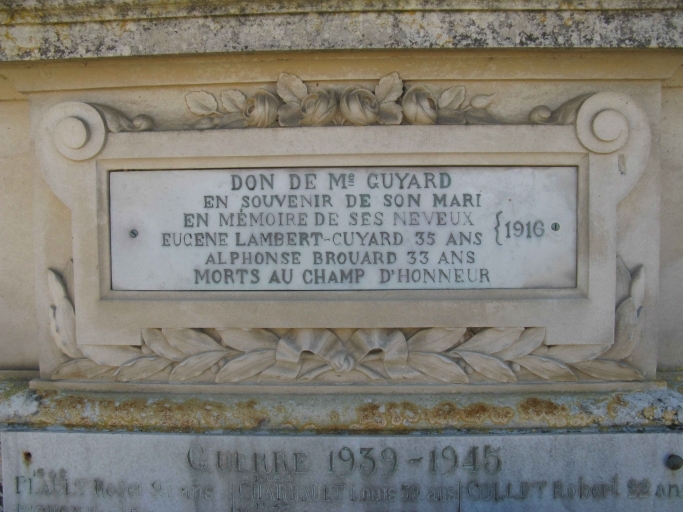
column 269, row 473
column 344, row 229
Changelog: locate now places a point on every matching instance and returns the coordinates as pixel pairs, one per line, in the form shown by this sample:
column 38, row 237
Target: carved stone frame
column 609, row 145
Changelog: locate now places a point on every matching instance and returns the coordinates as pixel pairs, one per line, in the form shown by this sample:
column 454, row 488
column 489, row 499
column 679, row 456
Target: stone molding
column 61, row 32
column 60, row 11
column 606, row 122
column 603, row 124
column 43, row 404
column 302, row 356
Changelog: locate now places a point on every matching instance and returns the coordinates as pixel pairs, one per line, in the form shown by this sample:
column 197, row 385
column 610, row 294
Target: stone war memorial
column 325, row 256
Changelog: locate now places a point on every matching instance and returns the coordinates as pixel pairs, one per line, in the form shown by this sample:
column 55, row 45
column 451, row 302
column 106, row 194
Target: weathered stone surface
column 124, row 31
column 64, row 11
column 70, row 29
column 178, row 473
column 650, row 408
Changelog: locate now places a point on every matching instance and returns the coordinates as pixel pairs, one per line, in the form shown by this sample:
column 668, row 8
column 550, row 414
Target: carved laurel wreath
column 455, row 355
column 296, row 104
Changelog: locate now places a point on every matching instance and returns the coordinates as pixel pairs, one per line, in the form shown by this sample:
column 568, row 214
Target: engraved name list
column 344, row 228
column 88, row 472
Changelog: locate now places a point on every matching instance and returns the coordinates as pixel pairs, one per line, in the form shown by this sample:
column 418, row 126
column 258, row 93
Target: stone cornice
column 67, row 29
column 651, row 407
column 14, row 12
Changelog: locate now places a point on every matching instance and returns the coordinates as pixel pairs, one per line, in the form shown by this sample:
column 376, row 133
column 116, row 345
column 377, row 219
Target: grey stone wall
column 59, row 29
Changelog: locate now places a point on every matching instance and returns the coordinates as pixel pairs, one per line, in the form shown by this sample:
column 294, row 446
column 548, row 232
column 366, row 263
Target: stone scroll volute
column 606, row 123
column 74, row 132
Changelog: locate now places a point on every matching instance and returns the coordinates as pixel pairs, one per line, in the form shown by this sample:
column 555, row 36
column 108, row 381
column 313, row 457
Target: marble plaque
column 182, row 473
column 412, row 228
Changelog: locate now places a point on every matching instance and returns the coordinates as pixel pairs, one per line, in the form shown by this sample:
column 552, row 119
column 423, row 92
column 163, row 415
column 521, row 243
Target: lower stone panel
column 179, row 473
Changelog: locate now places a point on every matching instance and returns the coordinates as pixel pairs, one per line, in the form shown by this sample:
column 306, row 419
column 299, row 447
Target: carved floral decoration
column 293, row 103
column 453, row 355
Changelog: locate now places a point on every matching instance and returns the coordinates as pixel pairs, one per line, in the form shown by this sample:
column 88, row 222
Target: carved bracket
column 454, row 356
column 606, row 123
column 79, row 130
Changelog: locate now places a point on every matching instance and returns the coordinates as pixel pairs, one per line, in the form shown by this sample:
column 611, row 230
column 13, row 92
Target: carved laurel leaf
column 529, row 341
column 546, row 368
column 623, row 282
column 195, row 365
column 248, row 365
column 609, row 370
column 248, row 340
column 435, row 340
column 201, row 103
column 77, row 368
column 68, row 278
column 638, row 287
column 390, row 113
column 62, row 316
column 141, row 368
column 190, row 341
column 542, row 350
column 233, row 101
column 492, row 340
column 290, row 88
column 571, row 354
column 489, row 366
column 437, row 366
column 452, row 98
column 625, row 331
column 111, row 355
column 102, row 372
column 389, row 88
column 155, row 340
column 398, row 371
column 281, row 371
